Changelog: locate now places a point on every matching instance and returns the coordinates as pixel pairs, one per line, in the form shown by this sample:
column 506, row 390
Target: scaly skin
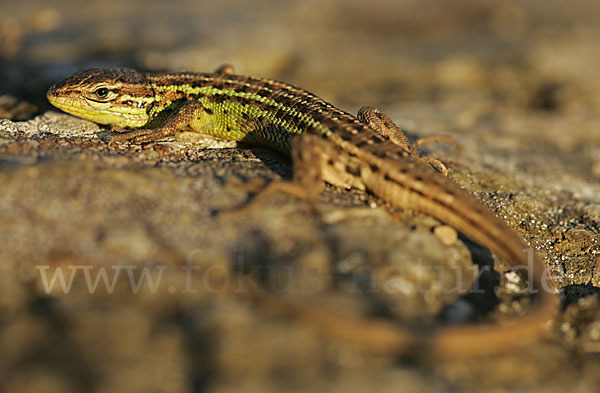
column 369, row 153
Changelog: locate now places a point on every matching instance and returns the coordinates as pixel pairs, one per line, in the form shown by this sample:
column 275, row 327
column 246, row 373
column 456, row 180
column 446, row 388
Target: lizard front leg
column 183, row 117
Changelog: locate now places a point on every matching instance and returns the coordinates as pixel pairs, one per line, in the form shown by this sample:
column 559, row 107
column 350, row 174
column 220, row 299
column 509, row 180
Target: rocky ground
column 515, row 83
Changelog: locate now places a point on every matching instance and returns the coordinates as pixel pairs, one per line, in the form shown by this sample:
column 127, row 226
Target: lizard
column 367, row 152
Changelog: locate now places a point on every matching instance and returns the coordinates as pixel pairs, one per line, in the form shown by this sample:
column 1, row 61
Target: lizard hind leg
column 314, row 160
column 382, row 124
column 225, row 69
column 306, row 183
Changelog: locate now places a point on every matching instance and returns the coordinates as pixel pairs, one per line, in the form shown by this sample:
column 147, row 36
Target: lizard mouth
column 98, row 112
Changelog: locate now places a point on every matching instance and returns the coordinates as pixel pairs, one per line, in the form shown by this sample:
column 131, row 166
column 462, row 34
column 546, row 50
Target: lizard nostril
column 52, row 91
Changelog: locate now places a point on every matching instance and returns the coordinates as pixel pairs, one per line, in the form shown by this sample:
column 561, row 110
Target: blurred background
column 514, row 81
column 538, row 54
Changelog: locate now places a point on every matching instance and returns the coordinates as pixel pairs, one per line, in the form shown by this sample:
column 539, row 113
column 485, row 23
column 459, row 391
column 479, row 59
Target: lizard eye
column 102, row 92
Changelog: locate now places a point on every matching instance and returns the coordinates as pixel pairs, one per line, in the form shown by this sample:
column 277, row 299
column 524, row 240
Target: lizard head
column 118, row 96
